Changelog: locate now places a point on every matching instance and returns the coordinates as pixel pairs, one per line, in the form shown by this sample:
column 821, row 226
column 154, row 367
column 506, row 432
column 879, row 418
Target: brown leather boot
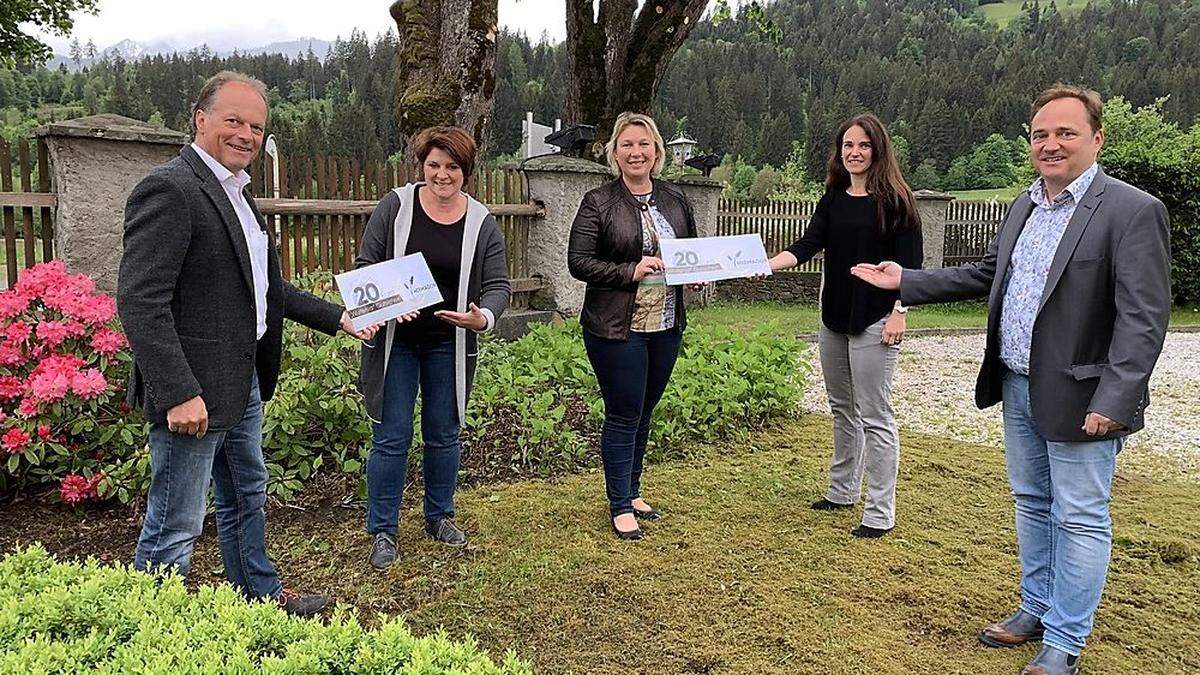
column 1051, row 661
column 1014, row 631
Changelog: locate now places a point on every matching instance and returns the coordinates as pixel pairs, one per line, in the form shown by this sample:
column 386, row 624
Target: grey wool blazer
column 483, row 280
column 185, row 294
column 1103, row 315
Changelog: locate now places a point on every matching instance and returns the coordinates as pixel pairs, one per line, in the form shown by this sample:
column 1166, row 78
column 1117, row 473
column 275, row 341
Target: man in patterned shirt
column 1079, row 295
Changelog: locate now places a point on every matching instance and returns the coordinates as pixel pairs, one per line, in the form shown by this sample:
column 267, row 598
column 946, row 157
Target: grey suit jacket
column 186, row 300
column 1103, row 314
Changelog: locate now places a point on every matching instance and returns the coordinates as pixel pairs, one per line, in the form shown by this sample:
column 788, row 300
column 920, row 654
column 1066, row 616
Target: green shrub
column 72, row 618
column 1145, row 150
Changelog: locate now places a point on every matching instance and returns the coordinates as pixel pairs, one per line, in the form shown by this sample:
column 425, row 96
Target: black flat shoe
column 631, row 535
column 864, row 532
column 823, row 504
column 648, row 516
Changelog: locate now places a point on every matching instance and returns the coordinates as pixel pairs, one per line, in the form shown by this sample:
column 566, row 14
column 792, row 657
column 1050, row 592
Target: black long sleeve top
column 847, row 228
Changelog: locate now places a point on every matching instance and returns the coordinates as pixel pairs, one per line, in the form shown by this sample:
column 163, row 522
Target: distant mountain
column 131, row 50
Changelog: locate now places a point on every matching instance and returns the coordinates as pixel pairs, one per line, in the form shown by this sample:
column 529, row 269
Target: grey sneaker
column 445, row 531
column 300, row 604
column 383, row 551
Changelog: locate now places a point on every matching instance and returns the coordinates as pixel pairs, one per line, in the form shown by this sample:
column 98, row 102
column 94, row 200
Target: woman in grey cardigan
column 434, row 350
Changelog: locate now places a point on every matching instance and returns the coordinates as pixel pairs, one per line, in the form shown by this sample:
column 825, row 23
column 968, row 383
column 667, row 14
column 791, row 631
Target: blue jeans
column 632, row 374
column 1064, row 532
column 432, row 366
column 181, row 467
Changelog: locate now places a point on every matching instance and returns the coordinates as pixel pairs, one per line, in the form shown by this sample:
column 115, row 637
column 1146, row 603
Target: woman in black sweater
column 866, row 214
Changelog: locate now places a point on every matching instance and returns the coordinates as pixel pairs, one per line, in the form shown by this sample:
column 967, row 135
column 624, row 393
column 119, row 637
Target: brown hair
column 1089, row 98
column 895, row 205
column 208, row 92
column 453, row 141
column 626, row 120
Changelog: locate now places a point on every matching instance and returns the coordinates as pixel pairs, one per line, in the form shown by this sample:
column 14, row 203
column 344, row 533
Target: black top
column 442, row 247
column 847, row 229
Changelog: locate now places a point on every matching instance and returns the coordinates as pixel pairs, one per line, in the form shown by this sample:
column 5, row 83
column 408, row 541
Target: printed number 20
column 686, row 258
column 365, row 294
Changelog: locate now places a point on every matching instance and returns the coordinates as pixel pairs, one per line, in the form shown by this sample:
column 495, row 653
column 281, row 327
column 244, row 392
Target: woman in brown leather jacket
column 632, row 321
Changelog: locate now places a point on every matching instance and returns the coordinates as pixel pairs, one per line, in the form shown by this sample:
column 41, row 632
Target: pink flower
column 10, row 355
column 15, row 440
column 28, row 407
column 54, row 376
column 17, row 332
column 75, row 328
column 89, row 383
column 43, row 432
column 75, row 488
column 108, row 342
column 12, row 303
column 11, row 387
column 97, row 310
column 52, row 332
column 3, row 415
column 35, row 280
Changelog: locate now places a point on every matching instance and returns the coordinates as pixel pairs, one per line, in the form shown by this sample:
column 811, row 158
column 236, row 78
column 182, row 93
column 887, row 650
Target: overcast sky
column 254, row 23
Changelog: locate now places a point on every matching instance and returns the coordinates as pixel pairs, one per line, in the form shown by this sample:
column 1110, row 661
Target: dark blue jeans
column 432, row 367
column 633, row 374
column 181, row 467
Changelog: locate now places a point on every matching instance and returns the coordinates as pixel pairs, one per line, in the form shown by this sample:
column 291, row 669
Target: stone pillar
column 704, row 193
column 559, row 184
column 932, row 208
column 95, row 163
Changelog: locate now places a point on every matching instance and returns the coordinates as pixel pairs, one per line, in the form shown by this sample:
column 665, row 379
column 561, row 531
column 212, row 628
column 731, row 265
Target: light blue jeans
column 1064, row 532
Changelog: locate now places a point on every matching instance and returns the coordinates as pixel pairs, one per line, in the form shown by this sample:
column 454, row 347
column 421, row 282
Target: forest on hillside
column 953, row 86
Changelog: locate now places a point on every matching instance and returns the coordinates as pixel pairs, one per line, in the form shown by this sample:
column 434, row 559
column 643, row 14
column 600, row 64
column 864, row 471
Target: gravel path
column 934, row 393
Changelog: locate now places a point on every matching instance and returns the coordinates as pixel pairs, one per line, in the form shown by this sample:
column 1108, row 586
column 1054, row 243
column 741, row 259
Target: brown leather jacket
column 606, row 246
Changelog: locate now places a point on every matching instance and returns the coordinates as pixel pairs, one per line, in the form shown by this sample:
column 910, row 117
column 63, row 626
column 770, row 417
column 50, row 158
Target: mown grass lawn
column 1007, row 10
column 742, row 577
column 800, row 319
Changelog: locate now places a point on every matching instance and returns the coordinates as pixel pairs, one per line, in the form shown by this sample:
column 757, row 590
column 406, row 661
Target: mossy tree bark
column 447, row 66
column 618, row 56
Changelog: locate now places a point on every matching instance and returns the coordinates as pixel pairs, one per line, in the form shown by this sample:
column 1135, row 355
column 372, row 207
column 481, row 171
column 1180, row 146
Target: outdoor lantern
column 704, row 163
column 682, row 148
column 573, row 140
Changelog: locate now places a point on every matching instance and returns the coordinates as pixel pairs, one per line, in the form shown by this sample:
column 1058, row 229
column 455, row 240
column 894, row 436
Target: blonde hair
column 627, row 119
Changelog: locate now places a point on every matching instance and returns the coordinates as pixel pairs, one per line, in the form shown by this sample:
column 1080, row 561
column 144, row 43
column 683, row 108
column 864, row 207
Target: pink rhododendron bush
column 64, row 364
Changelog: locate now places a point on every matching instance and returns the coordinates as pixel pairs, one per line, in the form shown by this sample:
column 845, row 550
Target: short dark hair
column 1090, row 99
column 453, row 141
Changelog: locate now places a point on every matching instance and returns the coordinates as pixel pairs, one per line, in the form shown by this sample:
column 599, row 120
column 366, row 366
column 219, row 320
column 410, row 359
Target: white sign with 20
column 697, row 260
column 383, row 291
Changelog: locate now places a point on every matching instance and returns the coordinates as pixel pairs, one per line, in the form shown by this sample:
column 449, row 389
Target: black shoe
column 1051, row 661
column 865, row 532
column 823, row 504
column 631, row 535
column 445, row 531
column 383, row 551
column 648, row 516
column 300, row 604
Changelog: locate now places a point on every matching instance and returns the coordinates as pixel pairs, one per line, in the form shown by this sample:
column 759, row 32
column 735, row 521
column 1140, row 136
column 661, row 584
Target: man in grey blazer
column 202, row 301
column 1078, row 287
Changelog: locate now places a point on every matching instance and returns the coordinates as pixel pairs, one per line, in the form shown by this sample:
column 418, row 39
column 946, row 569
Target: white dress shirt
column 256, row 238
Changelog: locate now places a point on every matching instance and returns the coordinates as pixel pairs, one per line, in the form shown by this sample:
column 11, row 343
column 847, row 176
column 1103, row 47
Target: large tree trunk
column 447, row 66
column 618, row 56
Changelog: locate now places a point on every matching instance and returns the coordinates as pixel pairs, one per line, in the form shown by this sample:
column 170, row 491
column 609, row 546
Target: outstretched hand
column 885, row 275
column 472, row 319
column 365, row 334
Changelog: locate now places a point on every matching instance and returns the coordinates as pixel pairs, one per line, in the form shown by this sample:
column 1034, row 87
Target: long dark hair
column 894, row 202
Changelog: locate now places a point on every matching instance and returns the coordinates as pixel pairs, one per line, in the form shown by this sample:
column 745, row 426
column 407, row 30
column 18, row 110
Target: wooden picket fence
column 779, row 222
column 970, row 226
column 26, row 207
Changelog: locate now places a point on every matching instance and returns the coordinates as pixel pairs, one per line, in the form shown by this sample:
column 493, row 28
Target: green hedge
column 1143, row 149
column 75, row 618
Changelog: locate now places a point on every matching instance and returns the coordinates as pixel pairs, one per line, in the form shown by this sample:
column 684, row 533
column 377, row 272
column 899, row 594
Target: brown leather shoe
column 1014, row 631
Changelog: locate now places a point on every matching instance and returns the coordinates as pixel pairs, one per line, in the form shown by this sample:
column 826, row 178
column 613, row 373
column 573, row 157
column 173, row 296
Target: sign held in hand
column 383, row 291
column 697, row 260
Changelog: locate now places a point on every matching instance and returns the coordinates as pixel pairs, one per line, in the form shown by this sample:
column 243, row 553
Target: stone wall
column 787, row 287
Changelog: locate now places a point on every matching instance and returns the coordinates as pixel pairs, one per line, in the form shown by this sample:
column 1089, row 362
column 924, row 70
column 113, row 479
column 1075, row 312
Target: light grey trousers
column 858, row 373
